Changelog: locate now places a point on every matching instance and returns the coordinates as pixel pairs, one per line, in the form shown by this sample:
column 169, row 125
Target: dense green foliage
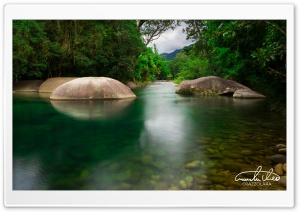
column 43, row 49
column 250, row 52
column 151, row 66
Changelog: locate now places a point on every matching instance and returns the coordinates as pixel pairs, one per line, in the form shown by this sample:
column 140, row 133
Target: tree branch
column 277, row 27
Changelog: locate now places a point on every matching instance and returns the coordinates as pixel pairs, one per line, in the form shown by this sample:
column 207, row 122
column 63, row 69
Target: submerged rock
column 282, row 181
column 247, row 152
column 193, row 165
column 284, row 167
column 52, row 83
column 173, row 188
column 211, row 85
column 282, row 151
column 183, row 184
column 232, row 155
column 92, row 88
column 204, row 182
column 220, row 187
column 275, row 159
column 279, row 169
column 247, row 94
column 189, row 179
column 279, row 146
column 27, row 86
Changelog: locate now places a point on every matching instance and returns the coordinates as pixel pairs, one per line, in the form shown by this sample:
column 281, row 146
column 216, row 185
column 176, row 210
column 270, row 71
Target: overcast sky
column 171, row 40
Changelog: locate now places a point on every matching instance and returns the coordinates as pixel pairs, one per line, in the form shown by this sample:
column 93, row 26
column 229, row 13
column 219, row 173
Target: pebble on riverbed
column 193, row 165
column 282, row 181
column 279, row 162
column 282, row 151
column 278, row 158
column 183, row 184
column 279, row 146
column 279, row 169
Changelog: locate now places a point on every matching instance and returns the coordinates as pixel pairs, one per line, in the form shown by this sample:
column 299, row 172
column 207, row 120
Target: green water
column 159, row 141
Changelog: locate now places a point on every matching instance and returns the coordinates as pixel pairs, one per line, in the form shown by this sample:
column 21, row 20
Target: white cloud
column 171, row 40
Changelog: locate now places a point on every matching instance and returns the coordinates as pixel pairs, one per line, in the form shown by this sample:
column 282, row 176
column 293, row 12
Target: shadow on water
column 159, row 141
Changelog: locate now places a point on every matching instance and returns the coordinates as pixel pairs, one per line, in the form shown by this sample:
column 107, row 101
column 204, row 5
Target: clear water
column 144, row 144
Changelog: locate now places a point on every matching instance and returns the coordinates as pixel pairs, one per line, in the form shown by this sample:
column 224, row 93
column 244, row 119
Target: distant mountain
column 172, row 55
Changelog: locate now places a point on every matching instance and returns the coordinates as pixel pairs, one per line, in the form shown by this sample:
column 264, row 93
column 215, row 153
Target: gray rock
column 52, row 83
column 279, row 169
column 282, row 151
column 275, row 159
column 282, row 181
column 211, row 85
column 27, row 86
column 279, row 146
column 247, row 94
column 92, row 88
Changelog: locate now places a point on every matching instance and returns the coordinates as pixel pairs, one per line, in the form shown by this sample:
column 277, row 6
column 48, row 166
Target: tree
column 152, row 29
column 30, row 50
column 151, row 66
column 252, row 52
column 60, row 48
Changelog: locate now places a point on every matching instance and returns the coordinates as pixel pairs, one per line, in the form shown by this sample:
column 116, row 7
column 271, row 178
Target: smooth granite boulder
column 27, row 86
column 52, row 83
column 247, row 94
column 92, row 88
column 211, row 85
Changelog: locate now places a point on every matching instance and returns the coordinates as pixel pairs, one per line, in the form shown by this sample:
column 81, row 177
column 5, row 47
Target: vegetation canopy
column 251, row 52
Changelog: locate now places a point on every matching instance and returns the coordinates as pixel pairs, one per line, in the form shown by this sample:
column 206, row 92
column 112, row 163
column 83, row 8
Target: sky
column 171, row 40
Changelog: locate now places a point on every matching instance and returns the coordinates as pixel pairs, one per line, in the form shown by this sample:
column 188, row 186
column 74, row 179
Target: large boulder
column 92, row 88
column 131, row 85
column 52, row 83
column 27, row 86
column 248, row 94
column 211, row 85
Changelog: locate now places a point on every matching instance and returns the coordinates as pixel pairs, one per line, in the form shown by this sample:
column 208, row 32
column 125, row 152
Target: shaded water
column 159, row 141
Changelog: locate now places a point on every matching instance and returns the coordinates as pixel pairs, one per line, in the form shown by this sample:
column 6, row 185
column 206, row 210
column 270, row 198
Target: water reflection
column 32, row 95
column 95, row 109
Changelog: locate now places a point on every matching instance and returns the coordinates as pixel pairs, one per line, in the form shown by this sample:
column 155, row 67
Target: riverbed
column 158, row 141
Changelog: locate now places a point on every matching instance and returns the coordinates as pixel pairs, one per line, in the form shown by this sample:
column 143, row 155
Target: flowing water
column 158, row 141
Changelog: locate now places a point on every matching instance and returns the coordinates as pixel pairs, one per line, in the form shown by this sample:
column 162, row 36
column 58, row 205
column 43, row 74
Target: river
column 159, row 141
